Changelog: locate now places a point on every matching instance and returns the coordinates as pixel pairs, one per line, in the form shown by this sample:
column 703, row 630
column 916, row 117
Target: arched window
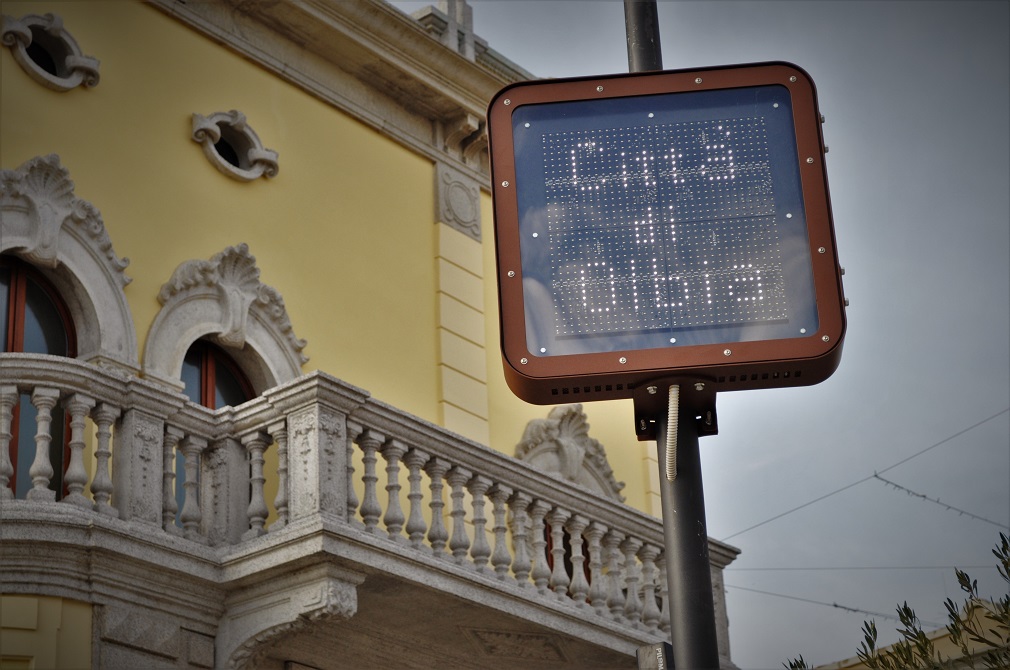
column 213, row 380
column 34, row 319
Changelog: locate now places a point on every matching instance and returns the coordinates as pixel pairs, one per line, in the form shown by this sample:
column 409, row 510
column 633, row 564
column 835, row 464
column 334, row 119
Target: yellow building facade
column 303, row 186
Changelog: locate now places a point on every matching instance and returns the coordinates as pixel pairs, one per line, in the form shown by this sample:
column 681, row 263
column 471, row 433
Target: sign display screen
column 662, row 221
column 663, row 225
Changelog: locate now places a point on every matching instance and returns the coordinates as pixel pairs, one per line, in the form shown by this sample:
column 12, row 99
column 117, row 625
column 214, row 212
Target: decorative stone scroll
column 283, row 605
column 43, row 222
column 233, row 147
column 223, row 297
column 560, row 444
column 48, row 53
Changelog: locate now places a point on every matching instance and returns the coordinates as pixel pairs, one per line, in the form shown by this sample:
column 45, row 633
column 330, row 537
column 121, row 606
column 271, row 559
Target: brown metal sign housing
column 663, row 225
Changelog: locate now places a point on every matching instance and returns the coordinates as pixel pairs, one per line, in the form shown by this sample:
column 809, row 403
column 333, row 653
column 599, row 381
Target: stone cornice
column 368, row 59
column 374, row 38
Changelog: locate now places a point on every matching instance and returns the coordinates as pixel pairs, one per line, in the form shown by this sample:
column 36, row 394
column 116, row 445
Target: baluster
column 393, row 450
column 255, row 444
column 353, row 431
column 169, row 506
column 480, row 550
column 615, row 582
column 279, row 431
column 101, row 485
column 541, row 571
column 437, row 534
column 459, row 543
column 650, row 611
column 501, row 558
column 664, row 595
column 41, row 471
column 370, row 510
column 597, row 592
column 415, row 460
column 579, row 588
column 520, row 537
column 191, row 515
column 76, row 477
column 8, row 398
column 559, row 575
column 633, row 603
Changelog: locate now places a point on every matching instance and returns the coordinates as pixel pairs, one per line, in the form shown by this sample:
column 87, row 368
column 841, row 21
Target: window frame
column 21, row 273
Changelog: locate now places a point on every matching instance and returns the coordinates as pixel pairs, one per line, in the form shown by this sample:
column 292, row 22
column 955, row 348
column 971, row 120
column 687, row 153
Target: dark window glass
column 191, row 367
column 44, row 332
column 230, row 386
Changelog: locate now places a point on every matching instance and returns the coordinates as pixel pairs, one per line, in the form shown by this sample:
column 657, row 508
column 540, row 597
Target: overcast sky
column 917, row 101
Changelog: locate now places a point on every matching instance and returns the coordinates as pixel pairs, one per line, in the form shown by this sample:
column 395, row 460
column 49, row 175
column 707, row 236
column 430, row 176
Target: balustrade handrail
column 115, row 387
column 502, row 516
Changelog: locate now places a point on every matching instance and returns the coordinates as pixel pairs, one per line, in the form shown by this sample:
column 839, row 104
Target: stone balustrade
column 342, row 458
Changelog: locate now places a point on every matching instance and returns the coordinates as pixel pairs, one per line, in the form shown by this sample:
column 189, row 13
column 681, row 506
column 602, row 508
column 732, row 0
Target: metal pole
column 641, row 23
column 688, row 570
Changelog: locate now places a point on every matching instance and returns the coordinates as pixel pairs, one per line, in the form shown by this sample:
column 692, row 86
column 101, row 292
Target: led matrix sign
column 666, row 224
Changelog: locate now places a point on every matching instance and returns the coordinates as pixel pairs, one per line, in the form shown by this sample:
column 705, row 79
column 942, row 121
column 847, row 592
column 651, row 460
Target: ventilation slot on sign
column 575, row 390
column 763, row 376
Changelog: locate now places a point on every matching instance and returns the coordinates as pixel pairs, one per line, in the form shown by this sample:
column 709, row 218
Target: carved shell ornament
column 561, row 444
column 38, row 204
column 48, row 53
column 233, row 278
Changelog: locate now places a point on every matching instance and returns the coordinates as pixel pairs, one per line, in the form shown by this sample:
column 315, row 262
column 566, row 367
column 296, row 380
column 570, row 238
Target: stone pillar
column 462, row 356
column 317, row 463
column 137, row 465
column 224, row 492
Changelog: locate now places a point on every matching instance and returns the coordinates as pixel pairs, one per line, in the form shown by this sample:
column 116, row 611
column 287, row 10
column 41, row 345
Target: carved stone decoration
column 458, row 201
column 137, row 460
column 475, row 149
column 333, row 479
column 459, row 128
column 69, row 67
column 305, row 470
column 223, row 297
column 236, row 279
column 43, row 222
column 560, row 444
column 288, row 604
column 515, row 645
column 318, row 474
column 233, row 147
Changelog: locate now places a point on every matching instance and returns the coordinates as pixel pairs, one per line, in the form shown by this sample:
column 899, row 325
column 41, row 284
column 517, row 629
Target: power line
column 865, row 567
column 869, row 477
column 942, row 504
column 826, row 604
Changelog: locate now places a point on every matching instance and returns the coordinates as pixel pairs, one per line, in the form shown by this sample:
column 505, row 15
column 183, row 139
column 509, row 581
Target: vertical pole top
column 641, row 22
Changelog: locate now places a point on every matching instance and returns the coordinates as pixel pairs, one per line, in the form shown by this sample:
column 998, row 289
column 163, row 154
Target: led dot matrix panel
column 671, row 224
